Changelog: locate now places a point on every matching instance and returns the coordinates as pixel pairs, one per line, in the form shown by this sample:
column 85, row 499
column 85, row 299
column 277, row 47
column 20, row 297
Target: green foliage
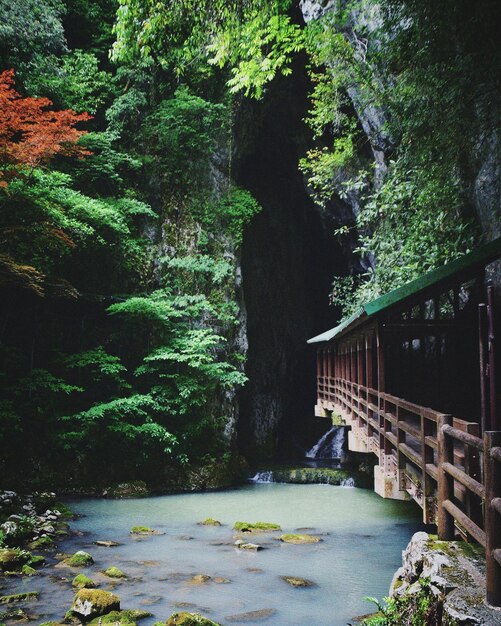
column 28, row 27
column 257, row 40
column 181, row 134
column 72, row 81
column 414, row 609
column 414, row 215
column 256, row 49
column 231, row 212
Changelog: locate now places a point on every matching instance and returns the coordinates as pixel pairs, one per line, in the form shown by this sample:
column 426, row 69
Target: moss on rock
column 28, row 571
column 144, row 530
column 311, row 475
column 133, row 489
column 210, row 522
column 43, row 543
column 189, row 619
column 12, row 559
column 295, row 581
column 89, row 603
column 81, row 581
column 114, row 572
column 299, row 539
column 19, row 597
column 128, row 617
column 256, row 527
column 79, row 559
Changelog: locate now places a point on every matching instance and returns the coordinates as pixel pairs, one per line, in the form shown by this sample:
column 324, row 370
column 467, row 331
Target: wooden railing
column 441, row 461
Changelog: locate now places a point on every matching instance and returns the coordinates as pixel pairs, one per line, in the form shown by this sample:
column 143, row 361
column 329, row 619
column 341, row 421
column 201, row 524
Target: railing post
column 445, row 521
column 472, row 468
column 492, row 474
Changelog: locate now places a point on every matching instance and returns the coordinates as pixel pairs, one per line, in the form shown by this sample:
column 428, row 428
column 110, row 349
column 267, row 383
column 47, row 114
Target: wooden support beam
column 492, row 477
column 445, row 521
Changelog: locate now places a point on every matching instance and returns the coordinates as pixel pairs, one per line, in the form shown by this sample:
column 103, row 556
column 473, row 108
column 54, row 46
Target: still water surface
column 362, row 539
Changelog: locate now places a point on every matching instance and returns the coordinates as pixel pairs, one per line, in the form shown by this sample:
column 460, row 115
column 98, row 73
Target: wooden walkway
column 440, row 461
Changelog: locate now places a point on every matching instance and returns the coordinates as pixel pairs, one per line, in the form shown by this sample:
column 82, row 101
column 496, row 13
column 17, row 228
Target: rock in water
column 242, row 545
column 89, row 603
column 252, row 616
column 295, row 581
column 189, row 619
column 79, row 559
column 256, row 527
column 114, row 572
column 299, row 539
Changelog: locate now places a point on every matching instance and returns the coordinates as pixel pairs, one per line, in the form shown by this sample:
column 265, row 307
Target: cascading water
column 262, row 477
column 329, row 446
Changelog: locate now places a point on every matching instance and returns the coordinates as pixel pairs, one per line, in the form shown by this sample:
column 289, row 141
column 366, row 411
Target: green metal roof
column 467, row 264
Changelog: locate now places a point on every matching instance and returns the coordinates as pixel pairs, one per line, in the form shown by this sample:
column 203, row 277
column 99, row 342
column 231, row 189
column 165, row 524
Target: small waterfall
column 348, row 482
column 330, row 446
column 262, row 477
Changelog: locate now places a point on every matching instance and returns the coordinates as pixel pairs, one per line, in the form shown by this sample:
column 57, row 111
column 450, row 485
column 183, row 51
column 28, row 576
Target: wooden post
column 445, row 521
column 493, row 424
column 482, row 324
column 427, row 457
column 472, row 468
column 368, row 362
column 380, row 362
column 492, row 473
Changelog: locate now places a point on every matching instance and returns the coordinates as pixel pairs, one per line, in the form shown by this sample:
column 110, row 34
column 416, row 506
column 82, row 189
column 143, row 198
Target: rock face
column 455, row 571
column 90, row 603
column 288, row 260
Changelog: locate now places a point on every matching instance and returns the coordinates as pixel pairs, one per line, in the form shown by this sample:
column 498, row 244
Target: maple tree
column 31, row 133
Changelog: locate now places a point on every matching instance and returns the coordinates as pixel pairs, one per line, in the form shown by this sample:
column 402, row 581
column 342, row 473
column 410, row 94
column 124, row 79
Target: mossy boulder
column 43, row 543
column 89, row 603
column 12, row 559
column 256, row 527
column 189, row 619
column 128, row 617
column 312, row 475
column 200, row 579
column 36, row 560
column 133, row 489
column 27, row 570
column 210, row 522
column 295, row 581
column 79, row 559
column 145, row 530
column 81, row 581
column 19, row 597
column 299, row 539
column 114, row 572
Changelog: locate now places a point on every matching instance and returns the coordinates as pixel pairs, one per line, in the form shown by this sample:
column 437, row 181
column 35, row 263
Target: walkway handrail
column 436, row 458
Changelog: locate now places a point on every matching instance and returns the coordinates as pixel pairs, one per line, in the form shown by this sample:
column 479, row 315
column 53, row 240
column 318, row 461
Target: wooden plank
column 410, row 454
column 391, row 438
column 470, row 527
column 431, row 441
column 432, row 470
column 469, row 482
column 409, row 429
column 459, row 435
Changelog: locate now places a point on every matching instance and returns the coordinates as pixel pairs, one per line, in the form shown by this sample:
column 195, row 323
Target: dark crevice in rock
column 288, row 260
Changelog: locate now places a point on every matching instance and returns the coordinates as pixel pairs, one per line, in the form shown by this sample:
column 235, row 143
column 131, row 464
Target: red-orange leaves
column 30, row 133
